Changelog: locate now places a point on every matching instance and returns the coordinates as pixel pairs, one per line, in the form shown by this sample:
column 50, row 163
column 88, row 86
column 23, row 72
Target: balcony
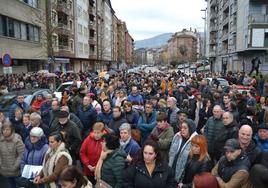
column 225, row 5
column 213, row 3
column 64, row 48
column 212, row 53
column 92, row 56
column 212, row 15
column 64, row 29
column 258, row 19
column 92, row 40
column 63, row 7
column 92, row 25
column 224, row 36
column 213, row 28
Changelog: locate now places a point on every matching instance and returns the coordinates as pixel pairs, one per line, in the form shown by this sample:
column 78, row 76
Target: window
column 71, row 24
column 71, row 45
column 54, row 17
column 55, row 41
column 17, row 32
column 36, row 34
column 86, row 32
column 80, row 29
column 10, row 27
column 92, row 48
column 23, row 31
column 86, row 49
column 3, row 25
column 30, row 32
column 80, row 48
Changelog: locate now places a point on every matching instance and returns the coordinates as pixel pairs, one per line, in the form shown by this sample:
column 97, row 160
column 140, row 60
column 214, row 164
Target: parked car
column 222, row 82
column 63, row 86
column 29, row 96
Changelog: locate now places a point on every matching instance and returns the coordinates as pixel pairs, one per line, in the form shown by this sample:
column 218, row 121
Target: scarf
column 124, row 144
column 51, row 160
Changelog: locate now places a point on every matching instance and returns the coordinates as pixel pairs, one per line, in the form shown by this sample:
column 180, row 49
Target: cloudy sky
column 148, row 18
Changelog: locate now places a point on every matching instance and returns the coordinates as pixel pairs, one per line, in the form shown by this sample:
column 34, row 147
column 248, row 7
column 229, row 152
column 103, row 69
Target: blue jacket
column 45, row 112
column 34, row 153
column 137, row 98
column 146, row 125
column 11, row 114
column 132, row 148
column 87, row 116
column 105, row 117
column 263, row 144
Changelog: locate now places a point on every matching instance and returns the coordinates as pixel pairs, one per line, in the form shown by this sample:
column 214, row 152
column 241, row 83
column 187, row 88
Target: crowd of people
column 137, row 130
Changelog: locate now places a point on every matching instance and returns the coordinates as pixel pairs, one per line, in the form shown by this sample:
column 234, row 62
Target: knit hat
column 232, row 145
column 191, row 126
column 62, row 114
column 37, row 131
column 263, row 126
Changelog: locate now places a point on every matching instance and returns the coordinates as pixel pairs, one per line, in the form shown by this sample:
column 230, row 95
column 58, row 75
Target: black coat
column 227, row 132
column 137, row 176
column 194, row 167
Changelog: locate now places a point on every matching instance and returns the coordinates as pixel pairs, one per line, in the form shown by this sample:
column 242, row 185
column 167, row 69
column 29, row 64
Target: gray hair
column 35, row 115
column 125, row 126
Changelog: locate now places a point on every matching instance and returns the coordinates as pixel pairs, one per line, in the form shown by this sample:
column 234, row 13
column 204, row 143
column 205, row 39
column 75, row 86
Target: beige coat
column 11, row 151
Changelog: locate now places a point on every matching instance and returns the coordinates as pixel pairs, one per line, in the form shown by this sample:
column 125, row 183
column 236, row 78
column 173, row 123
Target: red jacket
column 90, row 152
column 37, row 104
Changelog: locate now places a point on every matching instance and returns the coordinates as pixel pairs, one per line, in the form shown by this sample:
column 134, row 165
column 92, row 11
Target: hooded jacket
column 34, row 153
column 179, row 152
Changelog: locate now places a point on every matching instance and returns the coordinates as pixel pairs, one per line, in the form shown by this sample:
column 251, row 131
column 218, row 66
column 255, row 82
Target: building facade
column 23, row 34
column 237, row 32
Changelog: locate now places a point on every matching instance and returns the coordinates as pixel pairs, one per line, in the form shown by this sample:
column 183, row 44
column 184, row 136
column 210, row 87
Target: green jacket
column 211, row 129
column 112, row 170
column 164, row 140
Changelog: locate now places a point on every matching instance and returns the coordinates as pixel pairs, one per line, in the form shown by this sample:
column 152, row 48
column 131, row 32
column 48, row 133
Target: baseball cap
column 232, row 145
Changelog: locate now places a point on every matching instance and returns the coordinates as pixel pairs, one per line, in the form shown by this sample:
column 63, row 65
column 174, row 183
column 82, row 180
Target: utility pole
column 205, row 30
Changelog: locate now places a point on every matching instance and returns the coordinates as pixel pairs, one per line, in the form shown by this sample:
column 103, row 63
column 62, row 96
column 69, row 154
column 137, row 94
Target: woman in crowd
column 35, row 149
column 204, row 113
column 121, row 97
column 56, row 159
column 38, row 102
column 149, row 170
column 130, row 146
column 17, row 122
column 163, row 134
column 65, row 98
column 198, row 161
column 181, row 147
column 11, row 151
column 91, row 150
column 111, row 164
column 72, row 177
column 131, row 115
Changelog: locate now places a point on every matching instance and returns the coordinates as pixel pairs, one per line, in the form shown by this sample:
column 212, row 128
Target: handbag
column 102, row 184
column 136, row 135
column 23, row 182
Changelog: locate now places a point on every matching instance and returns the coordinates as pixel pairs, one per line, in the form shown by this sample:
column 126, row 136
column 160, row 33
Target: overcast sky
column 148, row 18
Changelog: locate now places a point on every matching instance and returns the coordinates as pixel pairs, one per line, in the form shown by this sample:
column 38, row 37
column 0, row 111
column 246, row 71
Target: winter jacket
column 173, row 116
column 11, row 151
column 262, row 144
column 227, row 132
column 77, row 101
column 90, row 153
column 132, row 148
column 115, row 123
column 73, row 136
column 211, row 130
column 137, row 176
column 138, row 99
column 232, row 174
column 252, row 151
column 87, row 115
column 37, row 104
column 53, row 164
column 112, row 169
column 164, row 139
column 24, row 106
column 132, row 118
column 183, row 155
column 146, row 124
column 194, row 167
column 180, row 96
column 105, row 117
column 34, row 153
column 45, row 112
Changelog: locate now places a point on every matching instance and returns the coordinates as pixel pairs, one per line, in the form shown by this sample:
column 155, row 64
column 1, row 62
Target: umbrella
column 112, row 72
column 50, row 75
column 42, row 72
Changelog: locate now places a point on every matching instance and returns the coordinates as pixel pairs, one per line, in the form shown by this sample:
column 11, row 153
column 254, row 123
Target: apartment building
column 185, row 39
column 237, row 32
column 23, row 34
column 61, row 33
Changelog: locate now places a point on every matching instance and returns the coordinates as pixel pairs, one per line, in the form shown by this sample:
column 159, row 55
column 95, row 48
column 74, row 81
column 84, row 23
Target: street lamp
column 205, row 31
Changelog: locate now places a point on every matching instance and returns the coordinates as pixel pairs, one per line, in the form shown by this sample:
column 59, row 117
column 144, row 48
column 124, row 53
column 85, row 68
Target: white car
column 223, row 83
column 63, row 86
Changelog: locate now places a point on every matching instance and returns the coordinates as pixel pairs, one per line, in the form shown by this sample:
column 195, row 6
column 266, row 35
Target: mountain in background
column 156, row 41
